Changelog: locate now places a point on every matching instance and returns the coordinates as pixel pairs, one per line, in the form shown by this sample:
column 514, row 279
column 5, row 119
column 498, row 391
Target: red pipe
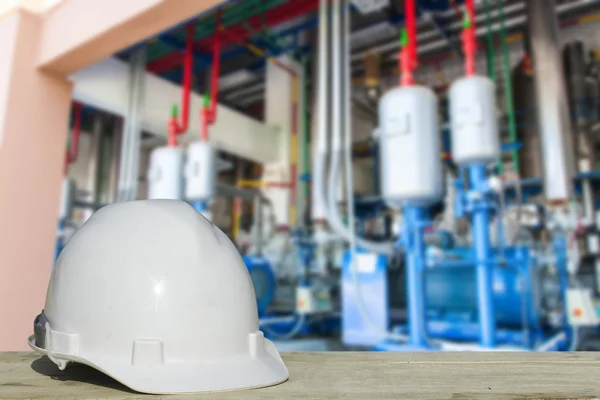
column 469, row 39
column 74, row 147
column 408, row 54
column 289, row 10
column 208, row 114
column 176, row 127
column 73, row 150
column 411, row 28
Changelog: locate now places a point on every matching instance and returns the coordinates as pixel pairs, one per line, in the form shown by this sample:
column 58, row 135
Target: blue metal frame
column 415, row 219
column 481, row 209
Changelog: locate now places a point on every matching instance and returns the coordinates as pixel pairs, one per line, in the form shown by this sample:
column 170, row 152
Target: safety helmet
column 155, row 296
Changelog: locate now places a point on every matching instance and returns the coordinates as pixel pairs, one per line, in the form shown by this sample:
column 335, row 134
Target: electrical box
column 165, row 174
column 473, row 120
column 200, row 172
column 581, row 308
column 409, row 147
column 313, row 299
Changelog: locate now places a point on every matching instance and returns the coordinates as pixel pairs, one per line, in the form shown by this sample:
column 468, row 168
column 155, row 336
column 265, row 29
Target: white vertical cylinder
column 200, row 173
column 411, row 167
column 473, row 120
column 165, row 174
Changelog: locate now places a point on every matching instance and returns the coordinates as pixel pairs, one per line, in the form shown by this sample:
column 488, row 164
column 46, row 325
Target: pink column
column 34, row 109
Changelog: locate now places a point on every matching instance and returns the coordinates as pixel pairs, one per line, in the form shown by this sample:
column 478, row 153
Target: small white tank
column 410, row 151
column 200, row 172
column 165, row 174
column 473, row 120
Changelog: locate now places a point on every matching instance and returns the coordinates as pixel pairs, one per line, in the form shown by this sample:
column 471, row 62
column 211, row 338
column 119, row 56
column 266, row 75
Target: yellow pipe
column 294, row 149
column 589, row 18
column 237, row 217
column 249, row 183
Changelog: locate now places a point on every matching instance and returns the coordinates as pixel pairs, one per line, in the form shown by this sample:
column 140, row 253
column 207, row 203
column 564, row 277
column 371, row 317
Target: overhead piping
column 209, row 108
column 238, row 32
column 176, row 127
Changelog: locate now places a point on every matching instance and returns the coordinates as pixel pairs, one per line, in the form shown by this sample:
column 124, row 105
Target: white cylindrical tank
column 200, row 173
column 409, row 137
column 165, row 174
column 473, row 120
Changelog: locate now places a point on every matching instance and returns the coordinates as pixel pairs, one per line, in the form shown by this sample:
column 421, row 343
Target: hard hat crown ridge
column 156, row 296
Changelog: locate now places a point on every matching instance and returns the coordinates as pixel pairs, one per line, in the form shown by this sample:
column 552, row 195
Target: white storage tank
column 409, row 136
column 473, row 120
column 200, row 172
column 165, row 174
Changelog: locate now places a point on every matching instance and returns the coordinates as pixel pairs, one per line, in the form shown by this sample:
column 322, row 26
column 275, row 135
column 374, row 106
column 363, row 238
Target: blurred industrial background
column 399, row 175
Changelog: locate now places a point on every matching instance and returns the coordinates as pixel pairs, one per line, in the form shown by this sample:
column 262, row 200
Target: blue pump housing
column 450, row 298
column 263, row 280
column 451, row 290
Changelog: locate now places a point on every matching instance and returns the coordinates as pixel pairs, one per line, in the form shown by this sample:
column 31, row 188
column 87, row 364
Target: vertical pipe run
column 469, row 39
column 508, row 90
column 483, row 257
column 552, row 106
column 490, row 51
column 175, row 127
column 318, row 199
column 130, row 146
column 415, row 274
column 294, row 150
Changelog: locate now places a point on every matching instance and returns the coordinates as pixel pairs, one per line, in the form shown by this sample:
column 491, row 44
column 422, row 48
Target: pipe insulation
column 552, row 106
column 318, row 207
column 327, row 194
column 130, row 145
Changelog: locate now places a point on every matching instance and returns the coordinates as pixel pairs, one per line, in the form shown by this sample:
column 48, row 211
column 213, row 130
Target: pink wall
column 34, row 126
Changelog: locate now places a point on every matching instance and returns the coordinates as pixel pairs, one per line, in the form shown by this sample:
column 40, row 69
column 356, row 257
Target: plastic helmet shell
column 155, row 296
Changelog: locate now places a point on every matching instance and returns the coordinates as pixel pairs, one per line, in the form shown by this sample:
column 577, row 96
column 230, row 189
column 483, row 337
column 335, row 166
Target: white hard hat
column 155, row 296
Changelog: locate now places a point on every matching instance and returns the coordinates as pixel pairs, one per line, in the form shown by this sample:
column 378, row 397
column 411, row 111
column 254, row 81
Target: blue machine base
column 316, row 325
column 389, row 345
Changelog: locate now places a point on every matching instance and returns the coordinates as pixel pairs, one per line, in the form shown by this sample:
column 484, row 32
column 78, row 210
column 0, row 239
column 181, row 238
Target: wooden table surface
column 347, row 375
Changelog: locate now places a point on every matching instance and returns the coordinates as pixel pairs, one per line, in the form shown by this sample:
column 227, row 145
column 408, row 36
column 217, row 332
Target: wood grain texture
column 347, row 375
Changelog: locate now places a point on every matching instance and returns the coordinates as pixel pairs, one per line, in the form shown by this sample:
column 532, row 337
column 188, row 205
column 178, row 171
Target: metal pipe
column 490, row 51
column 482, row 243
column 176, row 127
column 469, row 39
column 415, row 274
column 508, row 90
column 115, row 156
column 577, row 87
column 319, row 204
column 95, row 161
column 551, row 95
column 130, row 150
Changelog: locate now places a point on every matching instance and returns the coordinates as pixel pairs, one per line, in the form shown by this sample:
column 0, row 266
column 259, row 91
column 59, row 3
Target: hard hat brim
column 238, row 373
